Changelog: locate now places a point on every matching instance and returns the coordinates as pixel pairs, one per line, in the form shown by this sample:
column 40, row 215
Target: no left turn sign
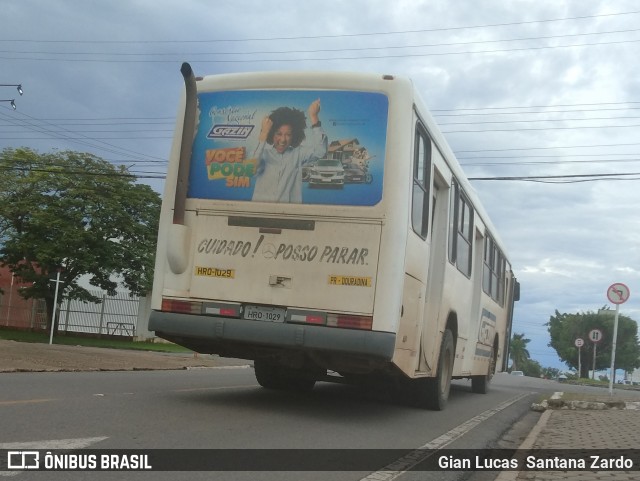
column 618, row 293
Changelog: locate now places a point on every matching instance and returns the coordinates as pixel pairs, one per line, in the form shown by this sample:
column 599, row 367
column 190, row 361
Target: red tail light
column 302, row 317
column 350, row 322
column 183, row 307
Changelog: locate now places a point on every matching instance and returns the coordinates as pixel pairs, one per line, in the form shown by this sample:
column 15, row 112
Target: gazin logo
column 221, row 131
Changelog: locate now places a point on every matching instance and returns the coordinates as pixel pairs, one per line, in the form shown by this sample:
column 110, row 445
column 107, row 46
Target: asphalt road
column 69, row 397
column 224, row 408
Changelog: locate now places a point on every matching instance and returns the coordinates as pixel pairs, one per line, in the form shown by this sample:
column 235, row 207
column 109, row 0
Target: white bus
column 319, row 225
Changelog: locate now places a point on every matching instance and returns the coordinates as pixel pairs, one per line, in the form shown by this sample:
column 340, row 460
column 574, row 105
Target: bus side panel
column 407, row 350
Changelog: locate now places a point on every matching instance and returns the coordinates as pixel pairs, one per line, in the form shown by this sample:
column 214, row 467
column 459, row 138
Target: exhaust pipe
column 186, row 145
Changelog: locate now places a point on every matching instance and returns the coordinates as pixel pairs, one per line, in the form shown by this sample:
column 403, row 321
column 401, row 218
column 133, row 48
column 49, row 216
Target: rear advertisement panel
column 298, row 146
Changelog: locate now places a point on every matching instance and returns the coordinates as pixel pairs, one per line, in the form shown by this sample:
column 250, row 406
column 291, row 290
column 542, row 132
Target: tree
column 550, row 372
column 518, row 351
column 531, row 368
column 565, row 328
column 79, row 214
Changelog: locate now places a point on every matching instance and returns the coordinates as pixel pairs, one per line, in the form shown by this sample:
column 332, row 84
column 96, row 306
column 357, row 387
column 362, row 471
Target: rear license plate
column 261, row 313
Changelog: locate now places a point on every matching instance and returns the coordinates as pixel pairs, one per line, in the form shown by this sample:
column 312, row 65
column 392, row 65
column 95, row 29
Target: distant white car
column 517, row 373
column 562, row 378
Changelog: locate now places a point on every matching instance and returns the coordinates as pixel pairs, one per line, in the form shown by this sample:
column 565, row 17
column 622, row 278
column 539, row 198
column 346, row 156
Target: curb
column 556, row 402
column 526, row 444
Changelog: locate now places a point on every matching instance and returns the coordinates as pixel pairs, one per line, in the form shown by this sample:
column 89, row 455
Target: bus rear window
column 298, row 146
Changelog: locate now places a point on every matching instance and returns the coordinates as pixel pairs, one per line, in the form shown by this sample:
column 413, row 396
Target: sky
column 539, row 99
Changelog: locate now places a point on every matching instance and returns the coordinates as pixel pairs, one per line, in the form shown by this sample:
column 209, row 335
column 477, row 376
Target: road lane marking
column 25, row 401
column 197, row 368
column 217, row 388
column 405, row 463
column 75, row 443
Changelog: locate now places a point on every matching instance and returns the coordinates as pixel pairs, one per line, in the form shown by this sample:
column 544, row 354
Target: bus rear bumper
column 217, row 331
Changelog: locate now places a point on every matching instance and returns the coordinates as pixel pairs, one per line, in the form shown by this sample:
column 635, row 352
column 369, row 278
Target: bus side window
column 493, row 282
column 460, row 230
column 421, row 183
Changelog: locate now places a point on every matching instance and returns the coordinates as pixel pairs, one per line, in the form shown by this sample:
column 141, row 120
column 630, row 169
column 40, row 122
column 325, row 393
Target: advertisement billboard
column 290, row 146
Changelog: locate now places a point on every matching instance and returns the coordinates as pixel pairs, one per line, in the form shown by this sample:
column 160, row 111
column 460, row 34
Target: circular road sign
column 579, row 342
column 595, row 335
column 618, row 293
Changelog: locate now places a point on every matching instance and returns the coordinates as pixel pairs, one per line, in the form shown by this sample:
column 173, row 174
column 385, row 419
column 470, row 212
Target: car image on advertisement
column 356, row 175
column 326, row 172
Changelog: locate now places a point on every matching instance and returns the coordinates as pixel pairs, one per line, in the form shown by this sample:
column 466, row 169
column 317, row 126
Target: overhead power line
column 484, row 122
column 323, row 59
column 56, row 131
column 547, row 162
column 323, row 50
column 547, row 148
column 142, row 175
column 311, row 37
column 533, row 106
column 540, row 129
column 565, row 178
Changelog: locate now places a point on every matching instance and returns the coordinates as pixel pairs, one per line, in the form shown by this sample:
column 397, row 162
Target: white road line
column 405, row 463
column 77, row 443
column 240, row 366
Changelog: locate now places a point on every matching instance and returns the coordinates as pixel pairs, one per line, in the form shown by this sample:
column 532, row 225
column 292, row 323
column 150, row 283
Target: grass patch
column 74, row 340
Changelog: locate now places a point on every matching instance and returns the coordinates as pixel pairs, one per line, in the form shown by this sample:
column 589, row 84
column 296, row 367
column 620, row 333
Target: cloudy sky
column 539, row 98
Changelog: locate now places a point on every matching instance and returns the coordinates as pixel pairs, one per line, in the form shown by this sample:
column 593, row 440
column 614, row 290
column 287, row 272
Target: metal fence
column 115, row 315
column 119, row 315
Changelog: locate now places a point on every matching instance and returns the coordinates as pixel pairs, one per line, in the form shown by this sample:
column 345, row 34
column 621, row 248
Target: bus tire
column 267, row 374
column 273, row 376
column 480, row 384
column 436, row 392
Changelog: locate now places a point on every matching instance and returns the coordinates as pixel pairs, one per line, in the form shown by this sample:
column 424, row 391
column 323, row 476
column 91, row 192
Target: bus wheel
column 273, row 376
column 480, row 384
column 436, row 390
column 267, row 374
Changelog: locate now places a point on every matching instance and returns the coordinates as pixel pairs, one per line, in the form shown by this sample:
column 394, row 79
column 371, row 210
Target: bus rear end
column 276, row 255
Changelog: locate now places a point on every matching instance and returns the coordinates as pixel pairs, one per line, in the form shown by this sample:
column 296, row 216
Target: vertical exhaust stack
column 179, row 241
column 186, row 144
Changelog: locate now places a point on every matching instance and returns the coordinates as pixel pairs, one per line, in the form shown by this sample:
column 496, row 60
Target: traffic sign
column 595, row 335
column 618, row 293
column 579, row 342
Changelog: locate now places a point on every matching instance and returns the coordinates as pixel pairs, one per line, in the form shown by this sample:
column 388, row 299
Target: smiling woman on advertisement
column 281, row 153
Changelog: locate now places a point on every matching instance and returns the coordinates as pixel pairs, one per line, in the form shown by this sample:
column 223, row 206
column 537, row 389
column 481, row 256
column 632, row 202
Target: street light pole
column 18, row 86
column 13, row 101
column 613, row 349
column 55, row 305
column 617, row 293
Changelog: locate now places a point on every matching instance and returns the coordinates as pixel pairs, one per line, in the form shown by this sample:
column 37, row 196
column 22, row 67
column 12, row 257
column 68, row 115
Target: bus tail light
column 198, row 307
column 303, row 317
column 221, row 309
column 181, row 306
column 350, row 322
